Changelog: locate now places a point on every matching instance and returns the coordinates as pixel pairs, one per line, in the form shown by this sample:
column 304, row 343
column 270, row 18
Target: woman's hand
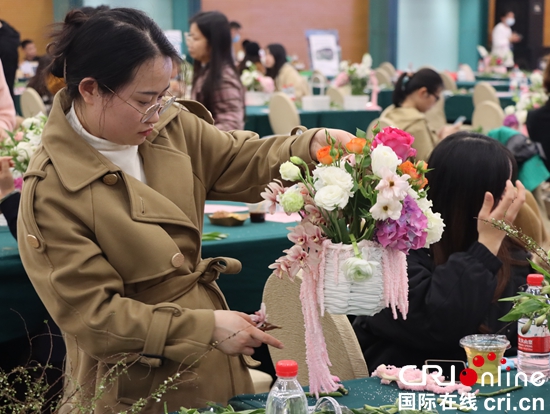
column 235, row 334
column 6, row 177
column 507, row 209
column 320, row 139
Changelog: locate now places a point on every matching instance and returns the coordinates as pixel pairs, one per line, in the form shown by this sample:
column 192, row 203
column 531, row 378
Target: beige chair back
column 283, row 115
column 284, row 308
column 436, row 117
column 448, row 82
column 484, row 91
column 388, row 67
column 31, row 103
column 382, row 76
column 487, row 115
column 337, row 94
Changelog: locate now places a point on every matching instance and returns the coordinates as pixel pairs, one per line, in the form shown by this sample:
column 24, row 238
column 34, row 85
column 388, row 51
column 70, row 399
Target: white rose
column 384, row 157
column 435, row 227
column 325, row 176
column 509, row 110
column 424, row 204
column 367, row 61
column 28, row 122
column 34, row 139
column 344, row 65
column 289, row 171
column 24, row 151
column 247, row 78
column 536, row 78
column 357, row 269
column 521, row 116
column 331, row 197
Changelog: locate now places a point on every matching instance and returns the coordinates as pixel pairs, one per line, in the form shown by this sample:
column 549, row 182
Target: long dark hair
column 463, row 167
column 279, row 54
column 40, row 80
column 410, row 82
column 251, row 54
column 214, row 26
column 108, row 46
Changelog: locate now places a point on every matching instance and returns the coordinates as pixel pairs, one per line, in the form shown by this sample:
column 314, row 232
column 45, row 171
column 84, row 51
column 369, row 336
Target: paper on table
column 281, row 217
column 3, row 221
column 212, row 208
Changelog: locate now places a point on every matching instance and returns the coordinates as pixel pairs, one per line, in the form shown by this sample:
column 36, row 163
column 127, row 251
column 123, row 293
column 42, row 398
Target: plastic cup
column 257, row 212
column 484, row 353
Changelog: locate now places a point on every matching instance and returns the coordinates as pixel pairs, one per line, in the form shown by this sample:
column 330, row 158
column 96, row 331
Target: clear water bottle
column 286, row 395
column 533, row 340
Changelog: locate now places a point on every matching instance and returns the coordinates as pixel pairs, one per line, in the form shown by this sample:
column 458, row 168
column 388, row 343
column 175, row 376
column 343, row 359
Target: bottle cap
column 535, row 279
column 286, row 368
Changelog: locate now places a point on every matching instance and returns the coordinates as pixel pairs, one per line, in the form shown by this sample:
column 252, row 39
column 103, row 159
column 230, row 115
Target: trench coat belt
column 161, row 295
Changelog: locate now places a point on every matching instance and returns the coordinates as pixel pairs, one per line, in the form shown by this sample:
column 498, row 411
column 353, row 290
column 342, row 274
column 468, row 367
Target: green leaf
column 539, row 269
column 360, row 133
column 525, row 308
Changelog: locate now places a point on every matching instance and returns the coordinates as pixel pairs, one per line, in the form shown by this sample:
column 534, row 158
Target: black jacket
column 538, row 126
column 10, row 207
column 9, row 43
column 446, row 303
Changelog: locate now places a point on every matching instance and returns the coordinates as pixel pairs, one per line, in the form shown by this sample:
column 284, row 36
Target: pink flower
column 399, row 141
column 341, row 79
column 19, row 136
column 314, row 214
column 267, row 83
column 273, row 190
column 260, row 316
column 18, row 183
column 297, row 235
column 393, row 186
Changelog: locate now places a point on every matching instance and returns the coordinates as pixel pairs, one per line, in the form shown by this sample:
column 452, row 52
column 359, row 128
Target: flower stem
column 355, row 247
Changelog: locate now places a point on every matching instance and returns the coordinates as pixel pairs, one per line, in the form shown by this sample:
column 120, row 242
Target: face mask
column 236, row 38
column 510, row 21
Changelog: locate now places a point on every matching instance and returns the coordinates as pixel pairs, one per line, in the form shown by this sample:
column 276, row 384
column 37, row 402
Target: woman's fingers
column 487, row 207
column 512, row 200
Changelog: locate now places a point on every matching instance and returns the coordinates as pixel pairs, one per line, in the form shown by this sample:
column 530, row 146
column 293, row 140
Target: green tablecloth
column 370, row 391
column 499, row 85
column 257, row 119
column 21, row 311
column 491, row 77
column 455, row 106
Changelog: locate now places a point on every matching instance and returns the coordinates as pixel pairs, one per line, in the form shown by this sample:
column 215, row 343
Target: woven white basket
column 344, row 296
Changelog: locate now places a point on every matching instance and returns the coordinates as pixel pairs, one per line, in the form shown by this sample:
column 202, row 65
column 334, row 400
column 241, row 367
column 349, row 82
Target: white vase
column 356, row 102
column 388, row 285
column 254, row 98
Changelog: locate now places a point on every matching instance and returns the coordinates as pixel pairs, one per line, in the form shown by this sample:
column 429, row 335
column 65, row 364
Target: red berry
column 503, row 361
column 491, row 356
column 468, row 377
column 478, row 361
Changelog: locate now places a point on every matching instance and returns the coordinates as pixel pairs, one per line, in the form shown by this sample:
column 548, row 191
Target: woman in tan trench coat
column 111, row 219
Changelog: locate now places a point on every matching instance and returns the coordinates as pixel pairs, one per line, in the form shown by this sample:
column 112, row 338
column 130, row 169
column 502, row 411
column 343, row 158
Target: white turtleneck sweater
column 124, row 156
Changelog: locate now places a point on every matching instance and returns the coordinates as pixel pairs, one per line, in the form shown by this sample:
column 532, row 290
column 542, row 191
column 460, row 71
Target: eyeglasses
column 150, row 112
column 437, row 97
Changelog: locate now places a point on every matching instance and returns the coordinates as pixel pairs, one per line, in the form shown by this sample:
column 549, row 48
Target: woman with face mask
column 503, row 37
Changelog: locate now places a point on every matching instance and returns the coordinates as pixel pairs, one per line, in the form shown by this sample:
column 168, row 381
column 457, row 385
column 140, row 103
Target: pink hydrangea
column 407, row 232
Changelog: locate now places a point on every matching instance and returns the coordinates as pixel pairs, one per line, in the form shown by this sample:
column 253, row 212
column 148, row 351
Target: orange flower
column 417, row 178
column 324, row 157
column 408, row 168
column 356, row 145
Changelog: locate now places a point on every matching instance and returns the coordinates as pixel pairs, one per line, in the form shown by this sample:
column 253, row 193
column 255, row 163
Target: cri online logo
column 468, row 376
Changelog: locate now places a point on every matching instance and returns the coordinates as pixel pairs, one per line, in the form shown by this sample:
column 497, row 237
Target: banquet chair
column 484, row 91
column 261, row 380
column 31, row 103
column 448, row 82
column 283, row 115
column 382, row 76
column 388, row 67
column 284, row 309
column 487, row 115
column 337, row 95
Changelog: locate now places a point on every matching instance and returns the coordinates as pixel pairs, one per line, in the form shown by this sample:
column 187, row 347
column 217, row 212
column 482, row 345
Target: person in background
column 30, row 58
column 39, row 81
column 235, row 28
column 9, row 55
column 538, row 120
column 216, row 83
column 413, row 96
column 285, row 76
column 111, row 218
column 251, row 54
column 454, row 286
column 503, row 37
column 7, row 108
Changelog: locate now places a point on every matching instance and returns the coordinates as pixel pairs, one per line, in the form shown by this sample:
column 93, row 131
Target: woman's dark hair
column 410, row 82
column 108, row 45
column 463, row 167
column 279, row 54
column 214, row 26
column 251, row 54
column 39, row 81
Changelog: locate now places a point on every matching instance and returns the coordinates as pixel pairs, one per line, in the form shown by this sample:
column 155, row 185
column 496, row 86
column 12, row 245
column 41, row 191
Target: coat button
column 178, row 259
column 33, row 241
column 110, row 179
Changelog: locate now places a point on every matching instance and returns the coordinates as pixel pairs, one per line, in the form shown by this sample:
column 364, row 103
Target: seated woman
column 454, row 286
column 538, row 120
column 39, row 81
column 251, row 54
column 413, row 96
column 216, row 83
column 283, row 73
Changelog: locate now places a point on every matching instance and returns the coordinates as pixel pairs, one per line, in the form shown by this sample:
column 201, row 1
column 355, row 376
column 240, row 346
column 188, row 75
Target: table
column 370, row 391
column 257, row 119
column 455, row 105
column 499, row 85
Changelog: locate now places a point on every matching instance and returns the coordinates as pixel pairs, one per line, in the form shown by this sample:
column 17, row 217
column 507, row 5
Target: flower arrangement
column 530, row 97
column 253, row 80
column 22, row 143
column 492, row 63
column 368, row 199
column 356, row 75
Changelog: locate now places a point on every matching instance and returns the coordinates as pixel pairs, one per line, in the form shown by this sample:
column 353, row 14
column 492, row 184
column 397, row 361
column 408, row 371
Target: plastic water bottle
column 534, row 341
column 286, row 395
